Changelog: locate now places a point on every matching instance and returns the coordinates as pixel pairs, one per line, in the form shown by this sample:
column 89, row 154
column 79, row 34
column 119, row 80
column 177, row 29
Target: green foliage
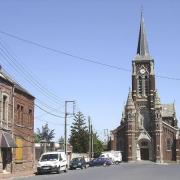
column 36, row 138
column 98, row 145
column 61, row 140
column 79, row 134
column 46, row 134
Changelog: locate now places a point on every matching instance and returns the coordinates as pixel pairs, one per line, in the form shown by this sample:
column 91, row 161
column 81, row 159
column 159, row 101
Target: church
column 148, row 129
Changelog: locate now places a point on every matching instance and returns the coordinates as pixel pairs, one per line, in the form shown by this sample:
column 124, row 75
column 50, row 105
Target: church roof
column 142, row 48
column 6, row 77
column 130, row 102
column 168, row 110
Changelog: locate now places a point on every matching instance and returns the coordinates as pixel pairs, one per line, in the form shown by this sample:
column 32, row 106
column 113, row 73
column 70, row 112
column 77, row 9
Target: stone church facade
column 148, row 129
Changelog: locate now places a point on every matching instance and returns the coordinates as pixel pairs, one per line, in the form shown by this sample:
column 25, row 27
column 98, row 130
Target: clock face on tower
column 142, row 71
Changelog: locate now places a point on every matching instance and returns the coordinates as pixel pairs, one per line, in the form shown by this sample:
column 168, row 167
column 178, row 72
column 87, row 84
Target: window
column 144, row 143
column 30, row 117
column 5, row 108
column 158, row 148
column 140, row 86
column 18, row 114
column 143, row 85
column 19, row 149
column 22, row 115
column 146, row 85
column 168, row 144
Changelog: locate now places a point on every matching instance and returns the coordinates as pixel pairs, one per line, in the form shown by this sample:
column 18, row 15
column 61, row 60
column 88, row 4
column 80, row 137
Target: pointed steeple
column 130, row 102
column 157, row 101
column 142, row 48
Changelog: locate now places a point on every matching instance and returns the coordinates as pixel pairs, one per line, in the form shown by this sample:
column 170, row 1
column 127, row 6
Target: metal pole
column 65, row 128
column 92, row 143
column 89, row 123
column 65, row 123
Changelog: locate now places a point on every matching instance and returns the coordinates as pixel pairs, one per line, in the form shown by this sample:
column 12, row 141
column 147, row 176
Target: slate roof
column 13, row 82
column 142, row 48
column 168, row 110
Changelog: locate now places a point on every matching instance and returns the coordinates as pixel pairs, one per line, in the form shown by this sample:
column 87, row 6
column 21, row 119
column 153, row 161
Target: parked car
column 78, row 162
column 116, row 156
column 100, row 162
column 52, row 162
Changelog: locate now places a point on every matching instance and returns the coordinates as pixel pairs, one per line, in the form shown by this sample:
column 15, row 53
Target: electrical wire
column 19, row 67
column 77, row 57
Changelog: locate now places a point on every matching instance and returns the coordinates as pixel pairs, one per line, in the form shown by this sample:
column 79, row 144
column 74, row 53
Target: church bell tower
column 143, row 79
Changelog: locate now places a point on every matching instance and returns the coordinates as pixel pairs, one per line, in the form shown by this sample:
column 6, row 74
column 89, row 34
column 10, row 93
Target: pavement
column 17, row 174
column 144, row 170
column 124, row 171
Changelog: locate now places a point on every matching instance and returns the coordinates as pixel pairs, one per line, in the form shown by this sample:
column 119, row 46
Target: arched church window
column 144, row 143
column 168, row 144
column 146, row 85
column 140, row 85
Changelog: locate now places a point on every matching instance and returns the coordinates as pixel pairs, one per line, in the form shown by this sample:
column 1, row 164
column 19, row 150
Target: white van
column 52, row 162
column 115, row 156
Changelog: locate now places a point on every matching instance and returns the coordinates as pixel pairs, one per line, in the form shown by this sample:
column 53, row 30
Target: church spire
column 142, row 48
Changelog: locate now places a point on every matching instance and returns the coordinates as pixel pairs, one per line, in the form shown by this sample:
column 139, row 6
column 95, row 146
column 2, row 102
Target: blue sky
column 102, row 30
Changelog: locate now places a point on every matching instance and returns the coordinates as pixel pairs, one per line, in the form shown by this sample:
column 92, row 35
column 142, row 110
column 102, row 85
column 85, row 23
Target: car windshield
column 49, row 157
column 76, row 160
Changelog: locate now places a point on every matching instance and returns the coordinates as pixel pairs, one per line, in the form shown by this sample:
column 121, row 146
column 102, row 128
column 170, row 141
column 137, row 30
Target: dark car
column 100, row 162
column 78, row 163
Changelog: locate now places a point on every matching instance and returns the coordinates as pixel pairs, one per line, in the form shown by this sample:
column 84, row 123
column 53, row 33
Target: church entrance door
column 144, row 153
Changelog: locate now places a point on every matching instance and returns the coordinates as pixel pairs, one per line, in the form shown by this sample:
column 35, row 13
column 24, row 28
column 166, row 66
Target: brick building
column 16, row 126
column 148, row 129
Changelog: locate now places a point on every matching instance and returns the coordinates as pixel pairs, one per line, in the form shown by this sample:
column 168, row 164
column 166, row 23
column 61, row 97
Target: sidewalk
column 16, row 174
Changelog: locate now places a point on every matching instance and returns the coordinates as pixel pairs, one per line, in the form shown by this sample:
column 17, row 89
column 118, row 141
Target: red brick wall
column 21, row 127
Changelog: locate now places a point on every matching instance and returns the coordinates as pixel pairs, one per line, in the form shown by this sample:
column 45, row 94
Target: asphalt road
column 124, row 171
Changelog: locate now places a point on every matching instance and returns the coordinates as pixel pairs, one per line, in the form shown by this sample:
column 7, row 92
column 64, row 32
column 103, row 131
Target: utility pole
column 65, row 123
column 92, row 143
column 89, row 126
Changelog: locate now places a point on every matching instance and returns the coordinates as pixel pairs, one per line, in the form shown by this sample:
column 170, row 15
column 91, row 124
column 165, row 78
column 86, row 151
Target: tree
column 36, row 138
column 61, row 142
column 98, row 145
column 79, row 134
column 46, row 134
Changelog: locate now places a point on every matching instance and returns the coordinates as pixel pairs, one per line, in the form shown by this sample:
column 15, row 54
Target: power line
column 50, row 122
column 21, row 69
column 77, row 57
column 15, row 68
column 43, row 108
column 55, row 115
column 63, row 52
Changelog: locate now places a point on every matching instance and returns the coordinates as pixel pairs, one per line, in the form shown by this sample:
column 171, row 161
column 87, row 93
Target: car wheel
column 38, row 173
column 58, row 170
column 116, row 163
column 104, row 164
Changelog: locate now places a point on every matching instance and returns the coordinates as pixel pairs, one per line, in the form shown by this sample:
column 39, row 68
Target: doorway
column 144, row 153
column 6, row 157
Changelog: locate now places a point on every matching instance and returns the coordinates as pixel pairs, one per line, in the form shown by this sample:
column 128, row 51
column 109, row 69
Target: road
column 124, row 171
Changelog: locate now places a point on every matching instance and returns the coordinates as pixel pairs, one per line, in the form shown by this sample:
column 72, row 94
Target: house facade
column 148, row 129
column 16, row 126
